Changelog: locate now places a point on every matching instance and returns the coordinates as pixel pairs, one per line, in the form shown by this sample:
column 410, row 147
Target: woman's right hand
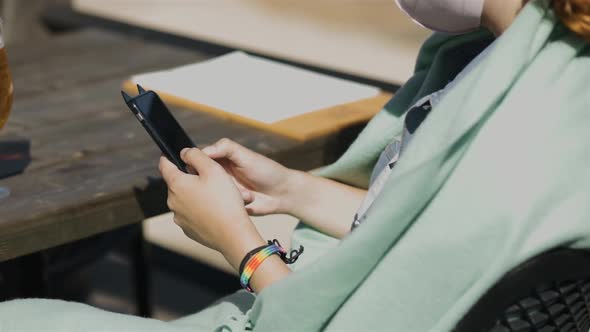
column 263, row 183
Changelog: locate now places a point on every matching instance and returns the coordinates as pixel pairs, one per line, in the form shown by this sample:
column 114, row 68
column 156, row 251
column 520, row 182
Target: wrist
column 293, row 191
column 265, row 265
column 242, row 242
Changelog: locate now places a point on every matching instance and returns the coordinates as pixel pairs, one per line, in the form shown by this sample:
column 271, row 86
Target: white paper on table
column 254, row 87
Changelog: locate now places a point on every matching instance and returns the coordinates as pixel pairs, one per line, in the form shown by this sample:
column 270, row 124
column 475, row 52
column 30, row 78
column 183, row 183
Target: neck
column 498, row 15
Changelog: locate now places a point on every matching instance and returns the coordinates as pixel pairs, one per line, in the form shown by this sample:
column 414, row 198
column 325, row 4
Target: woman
column 498, row 159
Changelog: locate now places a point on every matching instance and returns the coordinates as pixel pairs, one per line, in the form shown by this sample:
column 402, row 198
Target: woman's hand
column 268, row 187
column 210, row 210
column 263, row 183
column 209, row 207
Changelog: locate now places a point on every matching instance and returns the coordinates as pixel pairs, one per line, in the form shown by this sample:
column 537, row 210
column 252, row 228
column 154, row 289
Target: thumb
column 169, row 171
column 197, row 159
column 225, row 149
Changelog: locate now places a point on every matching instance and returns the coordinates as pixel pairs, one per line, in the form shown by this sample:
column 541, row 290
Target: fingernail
column 209, row 150
column 183, row 151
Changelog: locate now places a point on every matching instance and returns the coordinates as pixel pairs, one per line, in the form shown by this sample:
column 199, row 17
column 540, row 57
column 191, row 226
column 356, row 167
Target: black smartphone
column 159, row 122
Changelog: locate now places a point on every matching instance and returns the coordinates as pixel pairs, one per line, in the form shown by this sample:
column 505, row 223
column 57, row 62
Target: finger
column 254, row 211
column 260, row 205
column 170, row 201
column 224, row 148
column 247, row 195
column 191, row 170
column 226, row 164
column 198, row 160
column 169, row 171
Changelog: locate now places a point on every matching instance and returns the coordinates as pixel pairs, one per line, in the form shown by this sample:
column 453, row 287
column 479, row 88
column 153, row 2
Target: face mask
column 450, row 16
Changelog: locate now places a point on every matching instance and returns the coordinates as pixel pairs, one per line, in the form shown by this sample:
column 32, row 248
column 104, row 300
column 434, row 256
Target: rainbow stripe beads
column 255, row 261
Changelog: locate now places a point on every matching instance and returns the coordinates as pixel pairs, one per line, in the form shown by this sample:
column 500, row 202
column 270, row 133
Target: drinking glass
column 6, row 88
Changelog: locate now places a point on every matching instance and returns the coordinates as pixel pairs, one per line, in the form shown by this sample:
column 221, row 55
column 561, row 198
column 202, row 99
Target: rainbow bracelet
column 254, row 262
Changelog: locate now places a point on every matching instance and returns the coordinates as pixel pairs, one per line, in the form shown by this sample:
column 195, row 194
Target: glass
column 6, row 88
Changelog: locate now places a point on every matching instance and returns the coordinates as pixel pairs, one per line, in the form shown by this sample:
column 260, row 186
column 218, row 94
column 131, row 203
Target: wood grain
column 94, row 167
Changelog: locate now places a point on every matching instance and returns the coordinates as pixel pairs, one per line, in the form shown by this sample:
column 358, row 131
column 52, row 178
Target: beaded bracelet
column 254, row 258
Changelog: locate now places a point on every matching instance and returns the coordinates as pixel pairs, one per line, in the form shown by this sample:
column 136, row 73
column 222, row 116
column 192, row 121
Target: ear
column 140, row 89
column 126, row 97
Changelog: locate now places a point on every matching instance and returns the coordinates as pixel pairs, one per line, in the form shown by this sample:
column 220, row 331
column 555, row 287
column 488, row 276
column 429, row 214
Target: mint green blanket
column 499, row 172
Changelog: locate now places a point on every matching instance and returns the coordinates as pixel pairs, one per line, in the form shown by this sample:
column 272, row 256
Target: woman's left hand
column 209, row 207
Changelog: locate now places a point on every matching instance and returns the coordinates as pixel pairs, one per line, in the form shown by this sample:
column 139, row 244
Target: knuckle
column 225, row 141
column 190, row 153
column 170, row 203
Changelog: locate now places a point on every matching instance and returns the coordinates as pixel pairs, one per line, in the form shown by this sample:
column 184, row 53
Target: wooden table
column 94, row 168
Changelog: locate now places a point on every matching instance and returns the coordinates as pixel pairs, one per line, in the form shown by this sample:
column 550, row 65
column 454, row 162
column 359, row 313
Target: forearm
column 323, row 204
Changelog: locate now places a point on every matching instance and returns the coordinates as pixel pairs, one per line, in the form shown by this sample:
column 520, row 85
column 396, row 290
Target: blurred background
column 367, row 41
column 22, row 18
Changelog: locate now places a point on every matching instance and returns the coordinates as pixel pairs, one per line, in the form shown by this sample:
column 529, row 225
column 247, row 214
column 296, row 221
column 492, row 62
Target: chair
column 550, row 292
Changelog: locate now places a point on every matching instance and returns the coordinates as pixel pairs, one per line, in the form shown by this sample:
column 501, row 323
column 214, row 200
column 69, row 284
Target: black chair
column 550, row 292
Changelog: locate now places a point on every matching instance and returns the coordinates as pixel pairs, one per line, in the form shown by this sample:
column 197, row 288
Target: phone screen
column 159, row 118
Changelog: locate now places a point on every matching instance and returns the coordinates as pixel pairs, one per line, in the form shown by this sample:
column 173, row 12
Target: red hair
column 574, row 14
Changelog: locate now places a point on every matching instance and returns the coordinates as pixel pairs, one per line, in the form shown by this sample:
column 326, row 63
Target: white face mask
column 450, row 16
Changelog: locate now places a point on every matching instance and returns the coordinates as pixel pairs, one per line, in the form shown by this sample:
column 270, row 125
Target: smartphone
column 160, row 124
